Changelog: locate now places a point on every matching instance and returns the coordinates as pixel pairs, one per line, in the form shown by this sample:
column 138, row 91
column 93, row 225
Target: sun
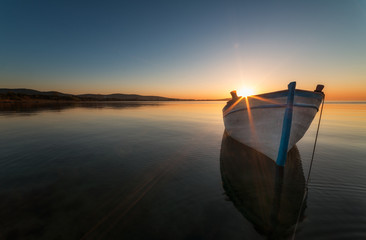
column 245, row 92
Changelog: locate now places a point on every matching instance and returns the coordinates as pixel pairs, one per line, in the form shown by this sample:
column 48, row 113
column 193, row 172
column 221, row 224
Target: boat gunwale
column 284, row 93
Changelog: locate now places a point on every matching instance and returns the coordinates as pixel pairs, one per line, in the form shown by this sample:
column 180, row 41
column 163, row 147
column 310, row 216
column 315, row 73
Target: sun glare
column 245, row 92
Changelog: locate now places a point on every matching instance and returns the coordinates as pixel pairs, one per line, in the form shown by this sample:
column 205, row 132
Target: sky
column 185, row 49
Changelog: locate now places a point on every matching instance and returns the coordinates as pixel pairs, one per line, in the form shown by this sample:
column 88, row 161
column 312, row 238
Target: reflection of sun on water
column 245, row 92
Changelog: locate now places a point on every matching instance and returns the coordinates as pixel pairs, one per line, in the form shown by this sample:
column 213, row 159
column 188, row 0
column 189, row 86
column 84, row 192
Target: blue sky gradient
column 183, row 48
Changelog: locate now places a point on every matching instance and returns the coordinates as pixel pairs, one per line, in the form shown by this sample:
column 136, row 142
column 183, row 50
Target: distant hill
column 30, row 92
column 23, row 94
column 124, row 97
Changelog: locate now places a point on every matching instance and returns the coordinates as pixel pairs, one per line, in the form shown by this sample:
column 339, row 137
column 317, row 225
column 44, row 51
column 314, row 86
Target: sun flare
column 245, row 92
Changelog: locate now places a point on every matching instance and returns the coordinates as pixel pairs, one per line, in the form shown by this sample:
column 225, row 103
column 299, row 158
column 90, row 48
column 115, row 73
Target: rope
column 308, row 177
column 316, row 139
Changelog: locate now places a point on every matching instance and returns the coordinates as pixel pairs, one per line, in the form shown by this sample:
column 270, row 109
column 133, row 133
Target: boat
column 272, row 123
column 272, row 198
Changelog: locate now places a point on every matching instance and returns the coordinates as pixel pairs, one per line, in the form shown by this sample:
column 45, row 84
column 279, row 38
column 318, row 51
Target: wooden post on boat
column 234, row 96
column 286, row 126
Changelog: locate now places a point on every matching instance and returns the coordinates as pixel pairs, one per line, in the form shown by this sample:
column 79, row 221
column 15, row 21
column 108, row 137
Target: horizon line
column 150, row 95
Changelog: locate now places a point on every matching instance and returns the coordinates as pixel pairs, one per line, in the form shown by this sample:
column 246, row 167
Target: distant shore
column 60, row 101
column 42, row 101
column 23, row 95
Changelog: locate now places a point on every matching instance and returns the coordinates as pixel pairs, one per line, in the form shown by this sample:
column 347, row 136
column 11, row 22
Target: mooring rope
column 316, row 140
column 311, row 165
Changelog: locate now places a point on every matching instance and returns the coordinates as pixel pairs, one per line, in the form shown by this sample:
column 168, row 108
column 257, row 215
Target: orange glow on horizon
column 335, row 89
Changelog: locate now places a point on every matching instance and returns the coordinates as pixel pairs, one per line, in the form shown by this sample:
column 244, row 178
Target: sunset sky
column 185, row 49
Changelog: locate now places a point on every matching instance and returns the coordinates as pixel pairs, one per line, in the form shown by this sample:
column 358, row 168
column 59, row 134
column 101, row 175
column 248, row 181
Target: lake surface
column 166, row 170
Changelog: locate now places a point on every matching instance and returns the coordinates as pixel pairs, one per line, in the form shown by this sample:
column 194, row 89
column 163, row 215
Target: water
column 154, row 170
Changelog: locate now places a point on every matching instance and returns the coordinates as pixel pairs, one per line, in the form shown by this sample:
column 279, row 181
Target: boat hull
column 257, row 121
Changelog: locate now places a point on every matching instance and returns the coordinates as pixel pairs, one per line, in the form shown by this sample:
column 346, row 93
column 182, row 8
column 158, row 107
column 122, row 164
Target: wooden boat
column 270, row 197
column 272, row 123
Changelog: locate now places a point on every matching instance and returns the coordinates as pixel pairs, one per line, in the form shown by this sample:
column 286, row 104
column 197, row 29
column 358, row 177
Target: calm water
column 165, row 170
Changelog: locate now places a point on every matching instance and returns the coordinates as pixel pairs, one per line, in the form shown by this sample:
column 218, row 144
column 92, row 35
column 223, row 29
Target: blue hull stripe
column 286, row 126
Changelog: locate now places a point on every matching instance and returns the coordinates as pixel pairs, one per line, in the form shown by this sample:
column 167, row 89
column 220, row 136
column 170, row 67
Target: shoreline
column 38, row 101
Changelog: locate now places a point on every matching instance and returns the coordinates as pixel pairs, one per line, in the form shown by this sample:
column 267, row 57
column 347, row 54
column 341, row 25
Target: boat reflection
column 269, row 196
column 31, row 108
